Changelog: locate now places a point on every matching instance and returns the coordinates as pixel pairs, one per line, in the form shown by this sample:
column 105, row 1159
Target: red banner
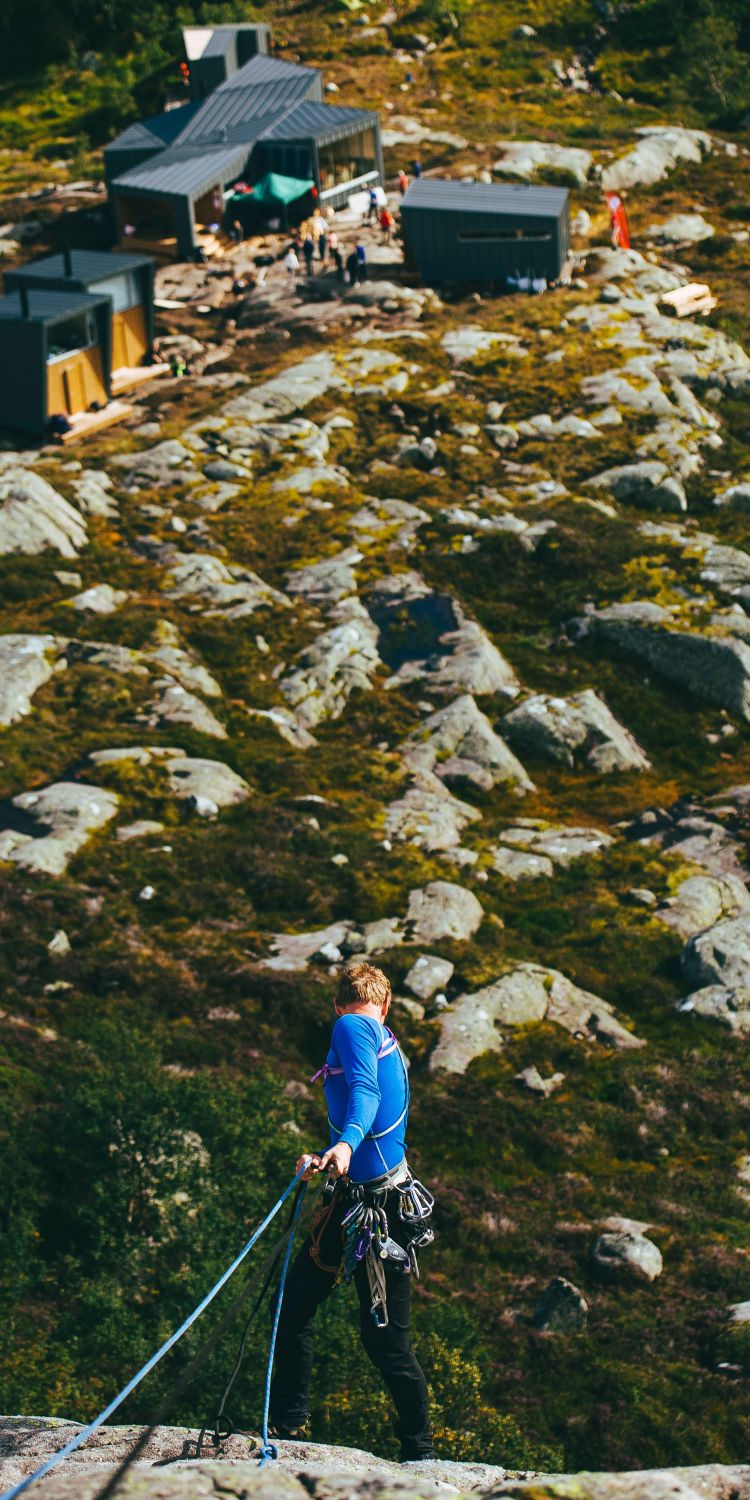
column 619, row 221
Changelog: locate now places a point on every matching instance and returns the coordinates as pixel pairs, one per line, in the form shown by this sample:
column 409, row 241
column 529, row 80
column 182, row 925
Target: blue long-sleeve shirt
column 367, row 1098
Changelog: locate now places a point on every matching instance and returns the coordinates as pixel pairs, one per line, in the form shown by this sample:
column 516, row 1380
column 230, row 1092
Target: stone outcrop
column 26, row 663
column 577, row 729
column 428, row 816
column 524, row 158
column 529, row 993
column 228, row 590
column 656, row 154
column 169, row 1470
column 562, row 1308
column 717, row 964
column 714, row 667
column 701, row 901
column 534, row 848
column 442, row 910
column 624, row 1255
column 647, row 483
column 458, row 743
column 62, row 818
column 338, row 661
column 35, row 518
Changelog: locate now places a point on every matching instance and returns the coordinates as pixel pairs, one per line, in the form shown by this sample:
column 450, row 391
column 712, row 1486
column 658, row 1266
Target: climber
column 372, row 1217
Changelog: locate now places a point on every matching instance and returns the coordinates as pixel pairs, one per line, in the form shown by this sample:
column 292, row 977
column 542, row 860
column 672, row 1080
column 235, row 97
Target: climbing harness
column 92, row 1427
column 366, row 1231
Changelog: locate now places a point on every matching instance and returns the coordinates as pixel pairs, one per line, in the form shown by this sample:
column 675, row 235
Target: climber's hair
column 362, row 984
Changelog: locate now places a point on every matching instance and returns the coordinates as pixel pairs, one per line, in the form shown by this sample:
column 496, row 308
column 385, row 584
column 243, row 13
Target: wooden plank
column 86, row 422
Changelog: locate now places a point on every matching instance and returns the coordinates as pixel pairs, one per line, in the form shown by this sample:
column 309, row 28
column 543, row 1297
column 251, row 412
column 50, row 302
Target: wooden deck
column 125, row 378
column 86, row 422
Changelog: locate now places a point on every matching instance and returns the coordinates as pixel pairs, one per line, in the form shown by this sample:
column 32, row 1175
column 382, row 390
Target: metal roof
column 86, row 265
column 185, row 170
column 234, row 114
column 160, row 130
column 265, row 69
column 485, row 197
column 48, row 307
column 219, row 42
column 313, row 121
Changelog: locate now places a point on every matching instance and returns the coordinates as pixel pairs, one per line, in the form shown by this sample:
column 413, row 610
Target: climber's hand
column 336, row 1160
column 311, row 1165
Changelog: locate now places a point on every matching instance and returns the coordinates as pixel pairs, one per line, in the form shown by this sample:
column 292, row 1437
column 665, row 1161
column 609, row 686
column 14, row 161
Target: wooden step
column 126, row 377
column 86, row 422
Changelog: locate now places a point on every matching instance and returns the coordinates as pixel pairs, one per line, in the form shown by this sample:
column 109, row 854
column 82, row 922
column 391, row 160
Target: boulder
column 442, row 911
column 703, row 900
column 101, row 599
column 428, row 816
column 721, row 955
column 232, row 592
column 549, row 843
column 468, row 343
column 292, row 951
column 626, row 1256
column 338, row 662
column 63, row 817
column 428, row 974
column 457, row 656
column 532, row 1080
column 166, row 464
column 35, row 518
column 529, row 993
column 26, row 663
column 175, row 705
column 727, row 1004
column 328, row 581
column 647, row 483
column 92, row 489
column 735, row 497
column 463, row 734
column 578, row 728
column 516, row 864
column 561, row 1308
column 655, row 155
column 716, row 668
column 524, row 158
column 208, row 785
column 681, row 229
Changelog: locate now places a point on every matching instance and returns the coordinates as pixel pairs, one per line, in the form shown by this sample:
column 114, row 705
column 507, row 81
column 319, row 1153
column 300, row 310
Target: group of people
column 316, row 239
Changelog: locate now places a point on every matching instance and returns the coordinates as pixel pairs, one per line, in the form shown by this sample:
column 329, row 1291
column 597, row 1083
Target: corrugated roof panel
column 160, row 130
column 311, row 120
column 265, row 69
column 86, row 265
column 231, row 110
column 219, row 42
column 485, row 197
column 184, row 170
column 46, row 306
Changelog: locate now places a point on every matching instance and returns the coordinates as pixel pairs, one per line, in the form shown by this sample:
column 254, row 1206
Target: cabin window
column 123, row 290
column 502, row 236
column 74, row 334
column 346, row 160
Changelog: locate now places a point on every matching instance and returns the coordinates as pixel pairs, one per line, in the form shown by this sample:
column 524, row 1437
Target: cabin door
column 74, row 388
column 129, row 338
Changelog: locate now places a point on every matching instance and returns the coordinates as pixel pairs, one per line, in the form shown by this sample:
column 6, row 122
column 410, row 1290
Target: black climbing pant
column 309, row 1283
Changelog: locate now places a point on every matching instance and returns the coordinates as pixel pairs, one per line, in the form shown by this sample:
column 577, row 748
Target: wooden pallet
column 126, row 377
column 86, row 422
column 689, row 301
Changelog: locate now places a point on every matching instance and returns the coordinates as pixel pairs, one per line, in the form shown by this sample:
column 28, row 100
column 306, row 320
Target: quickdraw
column 367, row 1237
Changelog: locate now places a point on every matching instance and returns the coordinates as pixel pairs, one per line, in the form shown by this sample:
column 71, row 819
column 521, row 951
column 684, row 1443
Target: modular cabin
column 267, row 120
column 128, row 282
column 502, row 233
column 214, row 53
column 55, row 361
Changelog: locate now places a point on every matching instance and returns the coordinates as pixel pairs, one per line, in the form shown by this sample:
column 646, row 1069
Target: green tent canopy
column 275, row 188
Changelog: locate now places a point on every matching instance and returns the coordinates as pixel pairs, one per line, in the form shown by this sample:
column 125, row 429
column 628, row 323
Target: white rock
column 580, row 726
column 26, row 663
column 208, row 785
column 655, row 155
column 35, row 518
column 524, row 158
column 627, row 1256
column 101, row 599
column 64, row 815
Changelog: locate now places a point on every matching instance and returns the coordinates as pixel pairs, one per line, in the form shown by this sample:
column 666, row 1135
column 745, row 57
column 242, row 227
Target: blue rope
column 267, row 1449
column 87, row 1432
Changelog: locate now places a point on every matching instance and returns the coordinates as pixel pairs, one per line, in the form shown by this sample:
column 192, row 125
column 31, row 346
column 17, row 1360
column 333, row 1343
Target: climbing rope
column 267, row 1449
column 88, row 1431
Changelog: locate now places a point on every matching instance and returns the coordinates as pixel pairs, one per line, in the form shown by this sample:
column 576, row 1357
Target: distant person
column 319, row 231
column 416, row 168
column 361, row 255
column 291, row 263
column 403, row 182
column 352, row 268
column 372, row 211
column 237, row 232
column 337, row 256
column 387, row 222
column 308, row 250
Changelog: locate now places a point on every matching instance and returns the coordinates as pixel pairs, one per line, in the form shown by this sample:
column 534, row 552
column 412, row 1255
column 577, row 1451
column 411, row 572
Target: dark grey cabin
column 214, row 53
column 55, row 356
column 128, row 280
column 485, row 232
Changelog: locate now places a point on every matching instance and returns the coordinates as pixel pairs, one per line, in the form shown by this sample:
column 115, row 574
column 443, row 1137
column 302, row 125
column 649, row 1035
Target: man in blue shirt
column 373, row 1219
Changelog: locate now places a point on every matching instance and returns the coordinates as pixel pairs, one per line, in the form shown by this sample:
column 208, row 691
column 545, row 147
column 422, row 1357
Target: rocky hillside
column 409, row 624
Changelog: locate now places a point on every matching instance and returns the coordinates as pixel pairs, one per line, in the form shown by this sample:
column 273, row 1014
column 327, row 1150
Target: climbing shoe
column 289, row 1434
